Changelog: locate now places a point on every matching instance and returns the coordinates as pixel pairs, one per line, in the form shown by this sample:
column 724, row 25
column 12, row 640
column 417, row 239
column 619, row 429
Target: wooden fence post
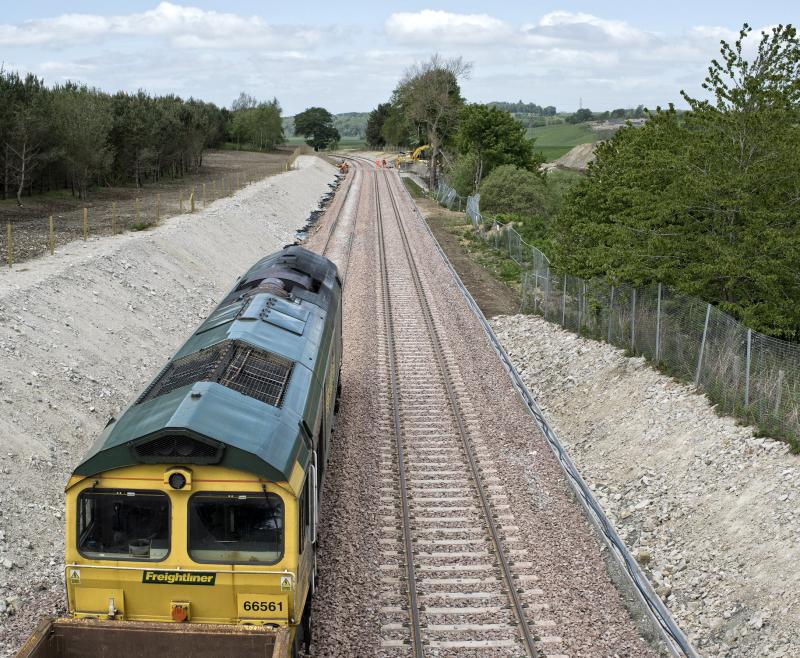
column 191, row 202
column 113, row 218
column 180, row 201
column 10, row 244
column 85, row 224
column 158, row 207
column 52, row 241
column 136, row 209
column 204, row 195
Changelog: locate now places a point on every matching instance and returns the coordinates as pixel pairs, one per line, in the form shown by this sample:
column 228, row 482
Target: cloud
column 182, row 26
column 432, row 26
column 563, row 27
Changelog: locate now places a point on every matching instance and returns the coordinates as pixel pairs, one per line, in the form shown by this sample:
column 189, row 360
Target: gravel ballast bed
column 710, row 511
column 81, row 332
column 589, row 612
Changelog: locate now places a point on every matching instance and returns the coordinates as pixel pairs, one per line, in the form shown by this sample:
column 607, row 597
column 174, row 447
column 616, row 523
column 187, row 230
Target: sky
column 348, row 55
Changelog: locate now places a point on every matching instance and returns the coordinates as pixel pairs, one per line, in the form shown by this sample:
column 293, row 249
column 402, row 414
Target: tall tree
column 375, row 123
column 429, row 95
column 495, row 138
column 83, row 121
column 316, row 125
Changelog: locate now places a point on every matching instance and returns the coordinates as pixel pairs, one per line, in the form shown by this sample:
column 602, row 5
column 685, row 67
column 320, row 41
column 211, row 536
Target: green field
column 344, row 143
column 555, row 141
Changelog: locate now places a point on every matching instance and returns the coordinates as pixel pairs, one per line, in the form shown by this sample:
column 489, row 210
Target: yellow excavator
column 416, row 156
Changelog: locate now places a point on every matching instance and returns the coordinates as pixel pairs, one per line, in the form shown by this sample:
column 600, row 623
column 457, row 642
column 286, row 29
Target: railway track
column 454, row 576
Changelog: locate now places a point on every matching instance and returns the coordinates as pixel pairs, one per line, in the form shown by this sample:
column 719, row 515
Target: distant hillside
column 349, row 124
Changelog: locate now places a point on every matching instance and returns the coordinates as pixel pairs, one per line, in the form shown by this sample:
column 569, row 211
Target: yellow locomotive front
column 205, row 545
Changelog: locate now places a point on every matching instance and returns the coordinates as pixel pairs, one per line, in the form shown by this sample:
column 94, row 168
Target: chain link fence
column 745, row 373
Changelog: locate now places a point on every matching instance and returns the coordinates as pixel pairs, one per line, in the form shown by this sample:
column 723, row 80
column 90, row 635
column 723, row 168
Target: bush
column 461, row 174
column 509, row 189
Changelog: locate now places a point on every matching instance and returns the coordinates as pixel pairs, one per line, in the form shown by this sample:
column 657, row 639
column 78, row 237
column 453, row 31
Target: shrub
column 509, row 189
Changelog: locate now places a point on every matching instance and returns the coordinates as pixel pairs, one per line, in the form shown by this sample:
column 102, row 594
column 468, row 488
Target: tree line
column 704, row 200
column 75, row 137
column 707, row 200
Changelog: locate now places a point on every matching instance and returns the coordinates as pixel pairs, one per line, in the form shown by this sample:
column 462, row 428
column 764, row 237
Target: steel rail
column 508, row 577
column 408, row 543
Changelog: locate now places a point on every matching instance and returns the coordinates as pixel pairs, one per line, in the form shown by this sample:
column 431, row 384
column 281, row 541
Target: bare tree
column 429, row 95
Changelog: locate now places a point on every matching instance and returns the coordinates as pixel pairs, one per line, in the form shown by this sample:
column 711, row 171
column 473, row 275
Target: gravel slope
column 82, row 332
column 710, row 511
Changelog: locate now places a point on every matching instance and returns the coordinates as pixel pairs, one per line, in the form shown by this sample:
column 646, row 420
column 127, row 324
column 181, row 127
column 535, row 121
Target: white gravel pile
column 709, row 510
column 81, row 332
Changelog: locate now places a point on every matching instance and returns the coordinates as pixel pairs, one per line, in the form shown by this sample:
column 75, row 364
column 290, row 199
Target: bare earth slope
column 82, row 332
column 710, row 510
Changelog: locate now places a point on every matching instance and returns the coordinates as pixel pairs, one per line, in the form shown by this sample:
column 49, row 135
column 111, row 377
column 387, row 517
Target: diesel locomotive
column 198, row 506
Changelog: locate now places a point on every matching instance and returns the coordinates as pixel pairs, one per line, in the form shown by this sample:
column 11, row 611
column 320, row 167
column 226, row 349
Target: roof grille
column 260, row 375
column 193, row 368
column 177, row 448
column 236, row 365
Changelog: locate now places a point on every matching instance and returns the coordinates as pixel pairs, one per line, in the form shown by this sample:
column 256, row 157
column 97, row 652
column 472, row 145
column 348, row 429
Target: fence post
column 564, row 303
column 52, row 240
column 113, row 218
column 633, row 321
column 158, row 207
column 136, row 209
column 702, row 347
column 180, row 201
column 546, row 292
column 780, row 392
column 610, row 312
column 191, row 202
column 204, row 195
column 85, row 223
column 658, row 324
column 747, row 368
column 10, row 244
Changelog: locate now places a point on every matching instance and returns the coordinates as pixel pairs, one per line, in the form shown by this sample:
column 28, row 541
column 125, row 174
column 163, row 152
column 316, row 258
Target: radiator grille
column 260, row 375
column 193, row 368
column 252, row 372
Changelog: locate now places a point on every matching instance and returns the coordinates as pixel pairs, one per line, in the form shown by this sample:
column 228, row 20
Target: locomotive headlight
column 178, row 478
column 177, row 481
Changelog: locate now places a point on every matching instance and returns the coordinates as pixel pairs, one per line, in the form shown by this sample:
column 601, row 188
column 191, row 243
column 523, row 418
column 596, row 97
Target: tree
column 495, row 138
column 27, row 130
column 316, row 125
column 429, row 95
column 83, row 121
column 396, row 130
column 581, row 116
column 375, row 122
column 706, row 201
column 509, row 189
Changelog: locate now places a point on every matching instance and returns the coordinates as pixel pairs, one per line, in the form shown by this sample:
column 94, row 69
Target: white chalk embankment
column 82, row 331
column 709, row 510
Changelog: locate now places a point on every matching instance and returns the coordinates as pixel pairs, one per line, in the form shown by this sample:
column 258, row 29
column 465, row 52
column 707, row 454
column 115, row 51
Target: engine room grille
column 238, row 366
column 260, row 375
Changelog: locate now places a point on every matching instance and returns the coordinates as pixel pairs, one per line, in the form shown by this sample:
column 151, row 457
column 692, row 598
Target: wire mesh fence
column 27, row 237
column 745, row 373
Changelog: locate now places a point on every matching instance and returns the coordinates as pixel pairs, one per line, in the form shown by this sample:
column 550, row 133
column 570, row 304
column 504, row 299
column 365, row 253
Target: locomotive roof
column 245, row 387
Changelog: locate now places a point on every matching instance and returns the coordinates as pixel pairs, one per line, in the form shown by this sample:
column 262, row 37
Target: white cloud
column 561, row 27
column 433, row 26
column 182, row 26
